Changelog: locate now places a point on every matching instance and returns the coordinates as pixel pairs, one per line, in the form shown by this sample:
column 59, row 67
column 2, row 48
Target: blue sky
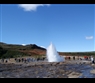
column 70, row 27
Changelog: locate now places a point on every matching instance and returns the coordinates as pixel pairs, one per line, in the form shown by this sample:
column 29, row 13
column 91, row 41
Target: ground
column 67, row 69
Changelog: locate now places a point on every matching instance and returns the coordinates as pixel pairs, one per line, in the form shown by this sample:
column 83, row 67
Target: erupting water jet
column 52, row 54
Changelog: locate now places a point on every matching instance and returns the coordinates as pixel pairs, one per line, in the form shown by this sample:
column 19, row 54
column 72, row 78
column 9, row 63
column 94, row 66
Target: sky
column 70, row 27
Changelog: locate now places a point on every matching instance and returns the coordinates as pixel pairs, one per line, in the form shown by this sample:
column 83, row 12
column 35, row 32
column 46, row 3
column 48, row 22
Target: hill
column 15, row 50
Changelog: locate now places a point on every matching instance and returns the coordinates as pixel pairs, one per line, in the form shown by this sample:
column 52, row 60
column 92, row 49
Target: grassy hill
column 13, row 50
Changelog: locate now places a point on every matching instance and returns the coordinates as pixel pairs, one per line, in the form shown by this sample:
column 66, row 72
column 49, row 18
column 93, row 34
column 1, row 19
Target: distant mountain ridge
column 31, row 50
column 28, row 46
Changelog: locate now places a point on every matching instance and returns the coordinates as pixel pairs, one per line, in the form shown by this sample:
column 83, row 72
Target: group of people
column 24, row 60
column 4, row 60
column 90, row 58
column 28, row 59
column 74, row 58
column 67, row 58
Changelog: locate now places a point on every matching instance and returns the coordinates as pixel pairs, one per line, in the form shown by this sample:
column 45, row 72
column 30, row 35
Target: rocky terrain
column 67, row 69
column 42, row 69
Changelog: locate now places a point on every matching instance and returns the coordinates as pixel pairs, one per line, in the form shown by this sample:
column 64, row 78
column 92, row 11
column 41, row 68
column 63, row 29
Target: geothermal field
column 54, row 66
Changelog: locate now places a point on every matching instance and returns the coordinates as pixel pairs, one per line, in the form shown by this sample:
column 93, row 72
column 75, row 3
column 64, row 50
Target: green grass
column 13, row 51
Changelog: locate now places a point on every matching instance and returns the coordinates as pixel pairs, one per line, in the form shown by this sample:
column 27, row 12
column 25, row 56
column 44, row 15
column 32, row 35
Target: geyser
column 52, row 54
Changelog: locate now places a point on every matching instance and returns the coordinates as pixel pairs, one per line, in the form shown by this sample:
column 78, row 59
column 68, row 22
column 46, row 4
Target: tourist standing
column 6, row 60
column 73, row 57
column 89, row 57
column 92, row 59
column 2, row 60
column 19, row 60
column 15, row 59
column 22, row 59
column 78, row 57
column 69, row 57
column 25, row 60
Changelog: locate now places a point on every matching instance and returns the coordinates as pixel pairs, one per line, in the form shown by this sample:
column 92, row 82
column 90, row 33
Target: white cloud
column 23, row 44
column 42, row 46
column 31, row 7
column 89, row 37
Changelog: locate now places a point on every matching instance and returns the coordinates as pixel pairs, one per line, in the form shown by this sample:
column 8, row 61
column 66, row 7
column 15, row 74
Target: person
column 28, row 59
column 86, row 57
column 73, row 57
column 19, row 60
column 38, row 59
column 3, row 60
column 43, row 58
column 25, row 60
column 92, row 59
column 89, row 57
column 65, row 57
column 15, row 59
column 80, row 58
column 6, row 60
column 22, row 59
column 69, row 57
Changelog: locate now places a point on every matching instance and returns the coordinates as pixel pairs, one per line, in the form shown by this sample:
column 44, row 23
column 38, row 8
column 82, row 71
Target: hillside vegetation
column 13, row 50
